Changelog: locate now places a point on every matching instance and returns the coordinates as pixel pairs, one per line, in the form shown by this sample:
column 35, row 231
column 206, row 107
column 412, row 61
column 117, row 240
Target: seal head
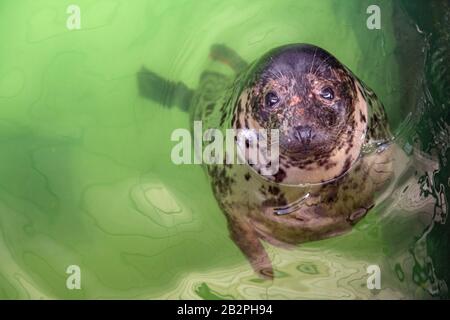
column 312, row 99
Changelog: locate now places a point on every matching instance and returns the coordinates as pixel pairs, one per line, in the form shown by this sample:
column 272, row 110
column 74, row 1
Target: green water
column 86, row 177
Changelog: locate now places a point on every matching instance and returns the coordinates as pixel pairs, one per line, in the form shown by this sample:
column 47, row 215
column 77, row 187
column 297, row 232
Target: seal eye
column 271, row 99
column 327, row 93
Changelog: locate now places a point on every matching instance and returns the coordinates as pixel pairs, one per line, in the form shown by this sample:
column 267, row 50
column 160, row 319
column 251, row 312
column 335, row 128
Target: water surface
column 86, row 177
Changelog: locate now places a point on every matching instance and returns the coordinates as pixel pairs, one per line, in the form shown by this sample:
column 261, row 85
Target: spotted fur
column 340, row 182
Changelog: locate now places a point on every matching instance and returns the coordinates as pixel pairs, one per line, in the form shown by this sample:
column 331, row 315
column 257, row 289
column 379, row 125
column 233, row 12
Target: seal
column 335, row 147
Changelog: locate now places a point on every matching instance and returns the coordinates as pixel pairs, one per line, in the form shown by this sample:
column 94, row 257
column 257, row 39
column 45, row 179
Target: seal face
column 312, row 99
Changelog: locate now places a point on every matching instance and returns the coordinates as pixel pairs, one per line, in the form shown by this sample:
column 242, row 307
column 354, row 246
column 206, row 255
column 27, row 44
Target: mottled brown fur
column 317, row 193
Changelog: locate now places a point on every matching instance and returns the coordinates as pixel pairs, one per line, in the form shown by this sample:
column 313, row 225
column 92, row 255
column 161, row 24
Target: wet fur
column 341, row 177
column 250, row 202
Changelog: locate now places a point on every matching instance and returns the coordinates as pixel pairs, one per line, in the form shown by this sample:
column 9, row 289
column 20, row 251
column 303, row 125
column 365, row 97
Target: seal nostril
column 330, row 120
column 303, row 134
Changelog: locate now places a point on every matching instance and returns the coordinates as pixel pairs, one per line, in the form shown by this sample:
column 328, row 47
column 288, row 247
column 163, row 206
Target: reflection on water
column 306, row 274
column 86, row 177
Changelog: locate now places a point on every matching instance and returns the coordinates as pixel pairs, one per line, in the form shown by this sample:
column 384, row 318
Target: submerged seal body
column 334, row 145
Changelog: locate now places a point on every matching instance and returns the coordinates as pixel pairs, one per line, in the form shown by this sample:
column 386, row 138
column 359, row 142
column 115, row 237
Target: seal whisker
column 320, row 65
column 314, row 58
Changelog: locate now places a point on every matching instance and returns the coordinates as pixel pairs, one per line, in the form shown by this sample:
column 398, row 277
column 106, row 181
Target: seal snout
column 301, row 139
column 303, row 134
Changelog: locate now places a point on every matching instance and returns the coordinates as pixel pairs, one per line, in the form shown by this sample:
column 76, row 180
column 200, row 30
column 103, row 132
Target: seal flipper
column 246, row 238
column 222, row 53
column 163, row 91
